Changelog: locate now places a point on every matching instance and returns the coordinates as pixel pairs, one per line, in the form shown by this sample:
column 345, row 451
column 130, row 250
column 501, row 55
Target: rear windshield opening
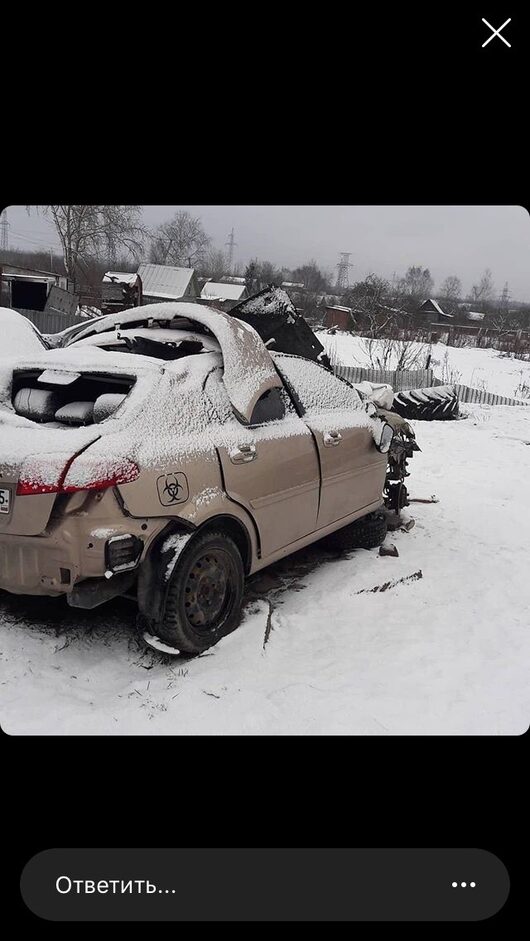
column 88, row 399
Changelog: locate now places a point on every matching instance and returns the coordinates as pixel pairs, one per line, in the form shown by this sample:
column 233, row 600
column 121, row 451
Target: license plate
column 5, row 500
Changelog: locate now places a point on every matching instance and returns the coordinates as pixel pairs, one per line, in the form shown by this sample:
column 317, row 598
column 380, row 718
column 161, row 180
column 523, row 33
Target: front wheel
column 365, row 533
column 205, row 594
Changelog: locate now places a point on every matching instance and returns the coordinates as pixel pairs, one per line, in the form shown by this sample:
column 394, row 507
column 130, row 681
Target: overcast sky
column 461, row 240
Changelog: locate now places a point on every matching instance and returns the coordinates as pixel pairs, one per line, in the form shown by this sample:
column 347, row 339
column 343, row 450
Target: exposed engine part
column 401, row 450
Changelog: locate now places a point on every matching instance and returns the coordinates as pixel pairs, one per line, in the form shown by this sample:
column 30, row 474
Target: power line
column 35, row 241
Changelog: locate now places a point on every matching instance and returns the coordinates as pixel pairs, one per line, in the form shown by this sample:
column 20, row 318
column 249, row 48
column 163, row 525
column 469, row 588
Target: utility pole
column 4, row 232
column 231, row 245
column 343, row 265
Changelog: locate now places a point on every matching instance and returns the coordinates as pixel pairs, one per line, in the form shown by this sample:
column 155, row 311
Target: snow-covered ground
column 481, row 369
column 446, row 653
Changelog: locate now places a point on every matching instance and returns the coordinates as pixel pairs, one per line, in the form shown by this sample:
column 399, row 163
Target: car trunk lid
column 34, row 462
column 42, row 428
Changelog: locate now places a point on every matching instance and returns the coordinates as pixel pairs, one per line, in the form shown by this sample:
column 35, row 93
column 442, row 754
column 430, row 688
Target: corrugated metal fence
column 402, row 380
column 50, row 321
column 480, row 396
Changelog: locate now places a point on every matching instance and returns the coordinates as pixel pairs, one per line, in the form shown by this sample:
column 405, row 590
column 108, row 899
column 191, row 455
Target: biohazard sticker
column 172, row 489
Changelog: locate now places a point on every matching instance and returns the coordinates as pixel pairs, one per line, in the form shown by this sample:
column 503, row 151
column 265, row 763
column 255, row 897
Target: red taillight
column 67, row 483
column 25, row 487
column 124, row 475
column 29, row 482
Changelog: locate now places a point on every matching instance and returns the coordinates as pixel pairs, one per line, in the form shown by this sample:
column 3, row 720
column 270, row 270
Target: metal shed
column 167, row 283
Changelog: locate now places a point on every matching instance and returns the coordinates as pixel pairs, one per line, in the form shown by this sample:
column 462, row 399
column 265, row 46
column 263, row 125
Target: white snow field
column 481, row 369
column 446, row 653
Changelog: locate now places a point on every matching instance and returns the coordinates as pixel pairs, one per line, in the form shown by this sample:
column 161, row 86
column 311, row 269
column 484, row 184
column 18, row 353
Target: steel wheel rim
column 209, row 590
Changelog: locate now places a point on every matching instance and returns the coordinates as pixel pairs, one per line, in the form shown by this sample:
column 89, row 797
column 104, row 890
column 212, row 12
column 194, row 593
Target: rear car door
column 352, row 469
column 270, row 466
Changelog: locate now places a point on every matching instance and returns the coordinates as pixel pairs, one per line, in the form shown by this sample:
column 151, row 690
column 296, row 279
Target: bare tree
column 504, row 321
column 181, row 241
column 311, row 277
column 450, row 376
column 451, row 288
column 214, row 264
column 87, row 232
column 387, row 353
column 270, row 274
column 369, row 302
column 482, row 292
column 417, row 284
column 259, row 274
column 378, row 306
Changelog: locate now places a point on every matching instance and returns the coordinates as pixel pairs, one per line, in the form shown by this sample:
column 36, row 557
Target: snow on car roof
column 329, row 402
column 318, row 388
column 248, row 369
column 89, row 358
column 19, row 336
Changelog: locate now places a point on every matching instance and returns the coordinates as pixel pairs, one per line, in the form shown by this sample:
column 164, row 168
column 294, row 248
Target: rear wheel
column 205, row 594
column 366, row 533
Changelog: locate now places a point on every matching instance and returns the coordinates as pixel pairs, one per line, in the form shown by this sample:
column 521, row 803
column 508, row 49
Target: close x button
column 496, row 33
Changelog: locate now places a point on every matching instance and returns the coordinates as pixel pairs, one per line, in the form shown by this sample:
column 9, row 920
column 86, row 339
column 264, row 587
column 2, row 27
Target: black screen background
column 434, row 123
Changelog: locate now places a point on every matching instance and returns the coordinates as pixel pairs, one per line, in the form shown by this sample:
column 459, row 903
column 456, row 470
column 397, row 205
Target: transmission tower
column 4, row 236
column 231, row 245
column 505, row 297
column 344, row 264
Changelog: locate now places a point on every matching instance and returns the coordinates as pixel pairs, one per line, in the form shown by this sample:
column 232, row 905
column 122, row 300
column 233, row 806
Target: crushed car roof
column 248, row 370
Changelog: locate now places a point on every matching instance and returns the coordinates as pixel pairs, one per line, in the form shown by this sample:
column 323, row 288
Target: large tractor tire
column 439, row 403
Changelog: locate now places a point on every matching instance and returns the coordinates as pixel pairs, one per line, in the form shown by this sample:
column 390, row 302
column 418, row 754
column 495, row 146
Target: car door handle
column 244, row 454
column 332, row 438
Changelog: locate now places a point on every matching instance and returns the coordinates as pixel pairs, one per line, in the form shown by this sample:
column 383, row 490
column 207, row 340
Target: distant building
column 167, row 283
column 120, row 290
column 120, row 277
column 474, row 315
column 27, row 288
column 233, row 279
column 224, row 291
column 339, row 317
column 432, row 308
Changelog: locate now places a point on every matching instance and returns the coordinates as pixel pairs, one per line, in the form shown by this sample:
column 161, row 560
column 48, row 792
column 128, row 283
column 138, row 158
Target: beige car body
column 275, row 486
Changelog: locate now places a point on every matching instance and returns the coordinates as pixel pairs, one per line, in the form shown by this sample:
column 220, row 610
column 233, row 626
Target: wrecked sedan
column 166, row 453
